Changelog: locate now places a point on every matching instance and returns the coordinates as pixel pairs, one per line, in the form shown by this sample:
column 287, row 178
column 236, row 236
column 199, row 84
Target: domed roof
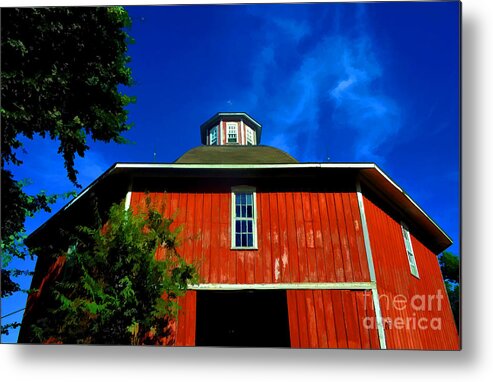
column 235, row 154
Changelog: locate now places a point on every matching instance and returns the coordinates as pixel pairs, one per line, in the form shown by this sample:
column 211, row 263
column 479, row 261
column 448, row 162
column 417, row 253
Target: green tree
column 120, row 282
column 61, row 71
column 450, row 266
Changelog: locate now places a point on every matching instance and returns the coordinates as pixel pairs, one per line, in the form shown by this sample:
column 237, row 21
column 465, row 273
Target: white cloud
column 341, row 70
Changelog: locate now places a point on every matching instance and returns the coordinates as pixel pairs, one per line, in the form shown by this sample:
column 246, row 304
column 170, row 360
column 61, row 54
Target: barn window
column 232, row 133
column 213, row 136
column 409, row 250
column 243, row 218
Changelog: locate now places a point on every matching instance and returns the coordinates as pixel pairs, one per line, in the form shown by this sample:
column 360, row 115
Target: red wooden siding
column 394, row 278
column 331, row 319
column 302, row 237
column 317, row 319
column 186, row 321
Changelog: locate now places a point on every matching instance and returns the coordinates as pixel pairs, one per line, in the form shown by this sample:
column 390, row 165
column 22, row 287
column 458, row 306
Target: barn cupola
column 231, row 129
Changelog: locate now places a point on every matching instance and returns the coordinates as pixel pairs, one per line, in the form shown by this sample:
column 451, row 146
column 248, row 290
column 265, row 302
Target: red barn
column 304, row 255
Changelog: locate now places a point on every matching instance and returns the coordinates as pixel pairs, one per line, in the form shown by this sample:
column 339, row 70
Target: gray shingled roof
column 235, row 154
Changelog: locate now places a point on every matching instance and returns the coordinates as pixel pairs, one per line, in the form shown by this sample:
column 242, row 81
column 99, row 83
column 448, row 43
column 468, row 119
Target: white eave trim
column 411, row 200
column 243, row 166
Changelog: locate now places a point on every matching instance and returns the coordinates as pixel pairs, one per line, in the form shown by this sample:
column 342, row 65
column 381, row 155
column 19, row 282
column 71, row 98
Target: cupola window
column 232, row 133
column 249, row 136
column 213, row 136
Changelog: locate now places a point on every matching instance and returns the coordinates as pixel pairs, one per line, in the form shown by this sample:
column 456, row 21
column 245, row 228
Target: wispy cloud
column 294, row 29
column 307, row 89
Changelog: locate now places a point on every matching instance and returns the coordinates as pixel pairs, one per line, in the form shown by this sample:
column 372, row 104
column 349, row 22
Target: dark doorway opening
column 242, row 318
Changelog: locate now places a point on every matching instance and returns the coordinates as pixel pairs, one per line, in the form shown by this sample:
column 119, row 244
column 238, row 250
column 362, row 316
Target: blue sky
column 372, row 82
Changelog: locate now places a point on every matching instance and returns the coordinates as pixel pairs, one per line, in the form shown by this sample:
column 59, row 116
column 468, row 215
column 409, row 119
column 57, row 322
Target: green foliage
column 113, row 288
column 453, row 292
column 449, row 264
column 61, row 68
column 450, row 267
column 16, row 207
column 61, row 72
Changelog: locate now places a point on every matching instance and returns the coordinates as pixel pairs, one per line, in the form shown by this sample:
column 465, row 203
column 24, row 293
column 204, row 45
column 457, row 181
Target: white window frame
column 211, row 134
column 243, row 189
column 233, row 127
column 409, row 250
column 250, row 138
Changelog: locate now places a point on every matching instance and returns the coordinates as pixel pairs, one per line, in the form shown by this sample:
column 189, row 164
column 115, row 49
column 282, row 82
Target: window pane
column 238, row 210
column 243, row 211
column 249, row 198
column 238, row 228
column 249, row 212
column 213, row 136
column 250, row 240
column 243, row 226
column 249, row 226
column 238, row 240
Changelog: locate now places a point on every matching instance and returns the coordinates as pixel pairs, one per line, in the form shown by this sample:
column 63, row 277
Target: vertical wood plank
column 360, row 242
column 292, row 243
column 370, row 312
column 311, row 319
column 334, row 236
column 361, row 314
column 293, row 319
column 320, row 319
column 340, row 322
column 351, row 318
column 319, row 245
column 214, row 245
column 351, row 237
column 198, row 254
column 191, row 317
column 189, row 228
column 341, row 224
column 224, row 237
column 328, row 255
column 283, row 238
column 302, row 318
column 206, row 238
column 259, row 259
column 309, row 235
column 330, row 319
column 300, row 237
column 266, row 246
column 249, row 257
column 274, row 233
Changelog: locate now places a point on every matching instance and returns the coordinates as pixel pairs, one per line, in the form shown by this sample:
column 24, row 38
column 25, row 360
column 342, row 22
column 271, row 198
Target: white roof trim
column 243, row 166
column 411, row 200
